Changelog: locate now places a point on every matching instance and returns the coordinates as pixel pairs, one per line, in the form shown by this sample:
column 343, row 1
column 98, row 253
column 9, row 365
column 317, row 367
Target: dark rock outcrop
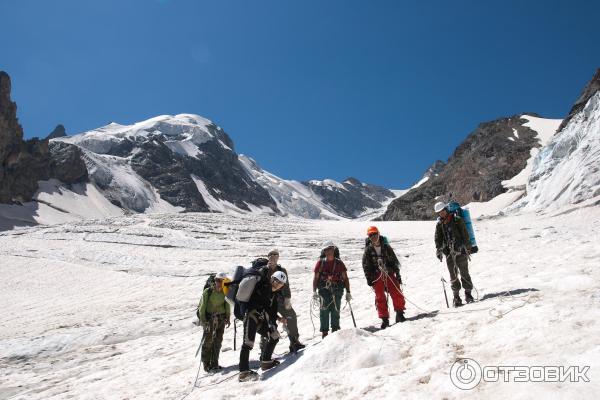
column 66, row 163
column 24, row 163
column 474, row 172
column 436, row 168
column 11, row 133
column 588, row 91
column 58, row 132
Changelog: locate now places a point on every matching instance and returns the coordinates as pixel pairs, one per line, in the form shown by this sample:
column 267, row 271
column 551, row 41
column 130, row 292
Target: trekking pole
column 352, row 314
column 199, row 346
column 234, row 333
column 444, row 289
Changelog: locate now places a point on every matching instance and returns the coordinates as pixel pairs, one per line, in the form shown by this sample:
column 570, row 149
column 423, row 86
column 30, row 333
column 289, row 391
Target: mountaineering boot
column 468, row 297
column 246, row 376
column 385, row 322
column 265, row 365
column 323, row 334
column 457, row 302
column 295, row 346
column 400, row 316
column 214, row 370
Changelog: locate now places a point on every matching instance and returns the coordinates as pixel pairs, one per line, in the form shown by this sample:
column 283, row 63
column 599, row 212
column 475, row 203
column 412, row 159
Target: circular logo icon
column 465, row 374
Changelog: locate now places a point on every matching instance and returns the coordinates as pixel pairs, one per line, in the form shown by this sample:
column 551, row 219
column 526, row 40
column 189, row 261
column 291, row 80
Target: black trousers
column 257, row 321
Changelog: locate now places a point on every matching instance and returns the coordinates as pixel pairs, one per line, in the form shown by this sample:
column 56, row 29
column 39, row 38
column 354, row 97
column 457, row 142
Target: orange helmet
column 371, row 230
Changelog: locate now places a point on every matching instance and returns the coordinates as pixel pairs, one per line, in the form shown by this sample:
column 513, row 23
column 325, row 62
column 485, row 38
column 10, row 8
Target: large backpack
column 464, row 213
column 243, row 284
column 210, row 284
column 322, row 258
column 336, row 253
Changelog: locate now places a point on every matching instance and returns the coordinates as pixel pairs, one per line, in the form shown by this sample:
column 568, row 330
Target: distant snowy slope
column 54, row 204
column 292, row 197
column 545, row 129
column 320, row 199
column 567, row 171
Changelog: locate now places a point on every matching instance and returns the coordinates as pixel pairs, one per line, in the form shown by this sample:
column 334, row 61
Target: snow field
column 103, row 309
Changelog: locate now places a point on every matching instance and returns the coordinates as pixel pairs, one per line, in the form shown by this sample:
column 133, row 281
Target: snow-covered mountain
column 181, row 163
column 187, row 163
column 567, row 171
column 170, row 163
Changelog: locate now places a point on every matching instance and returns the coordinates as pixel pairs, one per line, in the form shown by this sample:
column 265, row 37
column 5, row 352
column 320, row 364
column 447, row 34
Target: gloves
column 348, row 296
column 287, row 303
column 399, row 277
column 439, row 254
column 274, row 334
column 316, row 296
column 369, row 281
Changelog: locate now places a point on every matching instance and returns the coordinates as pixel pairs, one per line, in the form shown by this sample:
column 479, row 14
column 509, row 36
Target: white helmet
column 280, row 276
column 327, row 245
column 439, row 206
column 221, row 276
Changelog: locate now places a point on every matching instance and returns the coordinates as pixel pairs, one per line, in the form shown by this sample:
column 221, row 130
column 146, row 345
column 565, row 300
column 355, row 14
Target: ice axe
column 352, row 314
column 444, row 289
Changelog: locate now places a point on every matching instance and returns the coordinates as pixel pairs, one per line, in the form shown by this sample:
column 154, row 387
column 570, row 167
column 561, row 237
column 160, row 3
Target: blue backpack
column 455, row 208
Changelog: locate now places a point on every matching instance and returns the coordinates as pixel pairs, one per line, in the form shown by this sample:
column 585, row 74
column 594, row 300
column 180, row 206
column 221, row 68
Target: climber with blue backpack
column 456, row 241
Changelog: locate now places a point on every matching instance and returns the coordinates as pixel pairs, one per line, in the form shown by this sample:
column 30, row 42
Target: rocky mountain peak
column 11, row 133
column 58, row 132
column 588, row 91
column 496, row 151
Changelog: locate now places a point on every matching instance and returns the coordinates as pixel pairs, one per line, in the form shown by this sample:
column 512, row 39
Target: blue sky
column 377, row 90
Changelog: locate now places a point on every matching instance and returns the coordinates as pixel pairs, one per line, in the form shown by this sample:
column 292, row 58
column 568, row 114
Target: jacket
column 452, row 234
column 370, row 260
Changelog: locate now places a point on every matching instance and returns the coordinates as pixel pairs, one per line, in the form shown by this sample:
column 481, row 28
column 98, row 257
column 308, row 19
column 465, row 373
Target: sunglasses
column 373, row 234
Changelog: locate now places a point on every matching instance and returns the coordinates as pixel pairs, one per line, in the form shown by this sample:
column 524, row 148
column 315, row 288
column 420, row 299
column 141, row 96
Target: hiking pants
column 257, row 321
column 292, row 321
column 387, row 283
column 211, row 341
column 331, row 305
column 462, row 266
